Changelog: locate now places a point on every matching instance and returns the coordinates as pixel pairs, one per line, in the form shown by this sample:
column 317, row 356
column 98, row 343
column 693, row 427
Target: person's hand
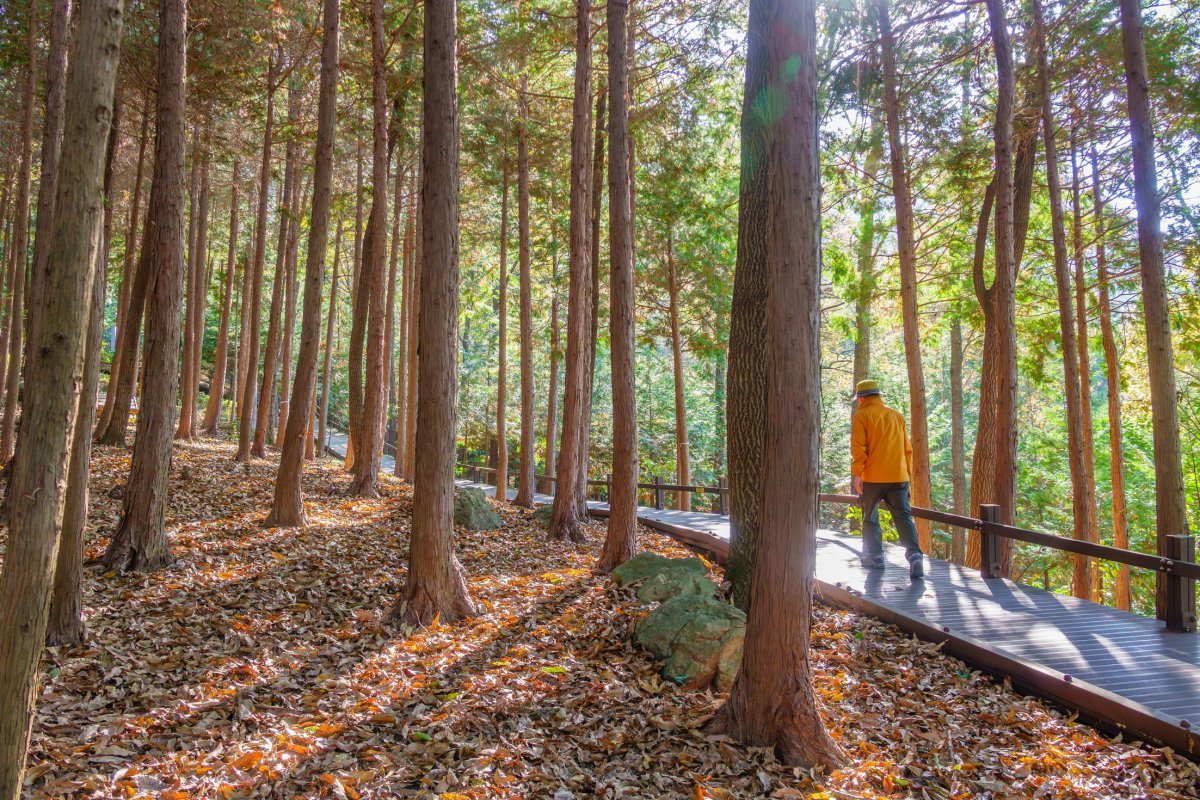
column 855, row 484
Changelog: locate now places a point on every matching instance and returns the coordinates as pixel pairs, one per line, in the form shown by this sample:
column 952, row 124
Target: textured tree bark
column 374, row 277
column 216, row 391
column 683, row 470
column 434, row 589
column 289, row 313
column 252, row 289
column 55, row 371
column 911, row 311
column 1082, row 502
column 567, row 514
column 1170, row 500
column 747, row 375
column 358, row 319
column 958, row 467
column 621, row 542
column 414, row 322
column 404, row 373
column 772, row 702
column 527, row 471
column 197, row 295
column 552, row 389
column 288, row 507
column 66, row 601
column 594, row 318
column 52, row 132
column 1123, row 592
column 394, row 275
column 271, row 353
column 502, row 342
column 20, row 247
column 322, row 435
column 140, row 542
column 189, row 331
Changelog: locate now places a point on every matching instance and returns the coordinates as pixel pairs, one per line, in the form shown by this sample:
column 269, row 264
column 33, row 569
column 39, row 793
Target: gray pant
column 895, row 495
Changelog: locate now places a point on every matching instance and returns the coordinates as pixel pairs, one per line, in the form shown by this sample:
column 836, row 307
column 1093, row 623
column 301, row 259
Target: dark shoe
column 872, row 563
column 916, row 568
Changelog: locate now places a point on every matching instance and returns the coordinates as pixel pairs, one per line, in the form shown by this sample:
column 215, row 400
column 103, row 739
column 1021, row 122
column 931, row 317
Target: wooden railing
column 1178, row 566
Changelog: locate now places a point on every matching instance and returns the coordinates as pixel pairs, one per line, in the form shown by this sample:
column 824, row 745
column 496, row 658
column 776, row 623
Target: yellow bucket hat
column 865, row 388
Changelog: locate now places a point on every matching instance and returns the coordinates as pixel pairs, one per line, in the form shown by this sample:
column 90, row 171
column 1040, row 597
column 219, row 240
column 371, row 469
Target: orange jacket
column 879, row 447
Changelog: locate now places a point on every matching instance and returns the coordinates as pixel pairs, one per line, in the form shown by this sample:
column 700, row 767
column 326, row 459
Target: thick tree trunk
column 683, row 469
column 288, row 508
column 567, row 514
column 140, row 542
column 621, row 542
column 911, row 311
column 1170, row 500
column 216, row 390
column 374, row 277
column 322, row 434
column 434, row 588
column 1082, row 504
column 54, row 374
column 66, row 601
column 20, row 248
column 772, row 702
column 502, row 344
column 252, row 288
column 747, row 375
column 1123, row 594
column 527, row 470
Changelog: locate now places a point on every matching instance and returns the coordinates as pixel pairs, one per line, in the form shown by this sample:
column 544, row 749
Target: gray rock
column 674, row 582
column 541, row 515
column 647, row 564
column 700, row 639
column 473, row 511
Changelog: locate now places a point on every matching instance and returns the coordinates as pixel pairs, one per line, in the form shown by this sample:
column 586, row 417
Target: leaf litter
column 259, row 664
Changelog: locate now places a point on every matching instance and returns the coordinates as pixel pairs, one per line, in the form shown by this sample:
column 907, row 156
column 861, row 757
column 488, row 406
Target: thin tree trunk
column 1123, row 594
column 772, row 702
column 394, row 274
column 1081, row 585
column 374, row 278
column 911, row 312
column 54, row 375
column 140, row 542
column 289, row 314
column 288, row 508
column 322, row 434
column 186, row 390
column 594, row 320
column 20, row 249
column 865, row 258
column 66, row 601
column 528, row 467
column 414, row 321
column 434, row 589
column 202, row 280
column 502, row 343
column 358, row 320
column 252, row 289
column 1170, row 500
column 552, row 389
column 958, row 467
column 747, row 375
column 683, row 471
column 567, row 516
column 216, row 391
column 621, row 542
column 403, row 373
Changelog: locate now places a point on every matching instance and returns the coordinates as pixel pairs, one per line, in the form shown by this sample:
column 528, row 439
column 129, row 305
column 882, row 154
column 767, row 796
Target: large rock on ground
column 541, row 515
column 700, row 638
column 646, row 564
column 473, row 511
column 673, row 583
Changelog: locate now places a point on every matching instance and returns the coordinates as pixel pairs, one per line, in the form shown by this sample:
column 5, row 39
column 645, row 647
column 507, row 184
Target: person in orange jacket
column 880, row 466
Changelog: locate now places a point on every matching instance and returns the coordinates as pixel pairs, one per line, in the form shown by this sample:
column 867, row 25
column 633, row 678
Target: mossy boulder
column 646, row 565
column 541, row 515
column 673, row 583
column 700, row 639
column 473, row 511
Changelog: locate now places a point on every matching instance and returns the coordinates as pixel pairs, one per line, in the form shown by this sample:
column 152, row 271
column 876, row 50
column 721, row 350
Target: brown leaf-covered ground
column 258, row 665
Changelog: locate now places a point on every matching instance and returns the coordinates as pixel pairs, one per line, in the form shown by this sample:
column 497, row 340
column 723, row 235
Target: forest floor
column 259, row 665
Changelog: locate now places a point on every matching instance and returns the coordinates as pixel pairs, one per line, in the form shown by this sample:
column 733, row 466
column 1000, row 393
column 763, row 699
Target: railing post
column 989, row 543
column 1181, row 592
column 608, row 488
column 723, row 496
column 658, row 493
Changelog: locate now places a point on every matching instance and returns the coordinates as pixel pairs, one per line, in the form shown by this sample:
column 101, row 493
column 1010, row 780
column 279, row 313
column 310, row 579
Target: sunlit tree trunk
column 621, row 542
column 567, row 514
column 552, row 388
column 54, row 374
column 216, row 391
column 1170, row 500
column 865, row 258
column 683, row 469
column 434, row 588
column 252, row 289
column 288, row 506
column 322, row 433
column 958, row 467
column 404, row 370
column 594, row 320
column 186, row 391
column 772, row 702
column 502, row 342
column 414, row 322
column 197, row 295
column 747, row 374
column 527, row 469
column 289, row 314
column 140, row 542
column 1081, row 584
